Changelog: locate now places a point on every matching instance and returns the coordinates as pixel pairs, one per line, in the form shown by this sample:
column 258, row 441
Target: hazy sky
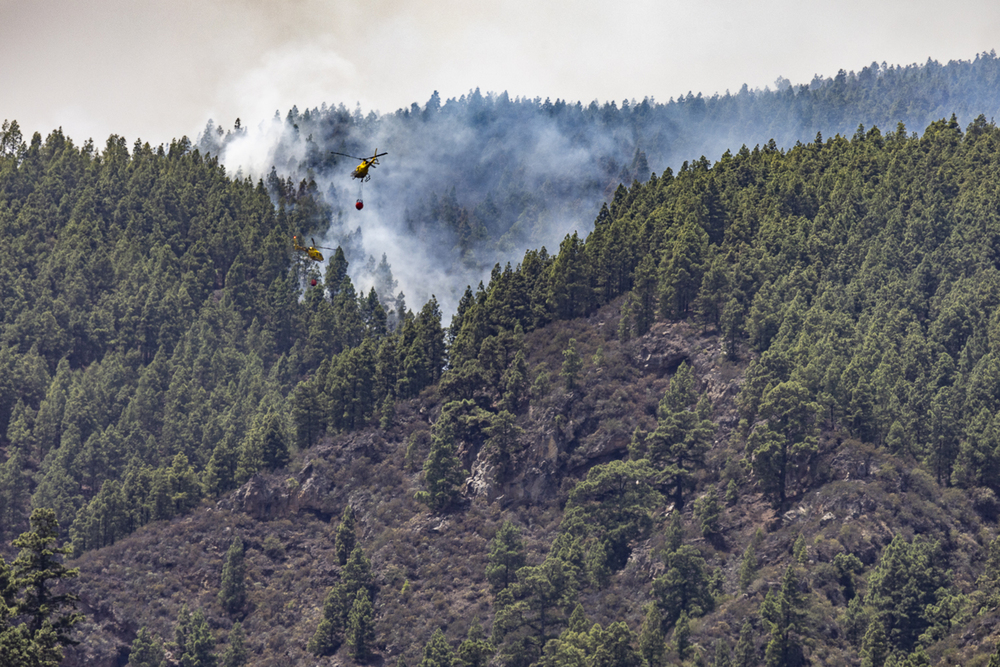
column 158, row 69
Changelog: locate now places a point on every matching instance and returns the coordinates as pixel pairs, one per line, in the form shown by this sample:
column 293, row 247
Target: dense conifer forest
column 472, row 181
column 751, row 418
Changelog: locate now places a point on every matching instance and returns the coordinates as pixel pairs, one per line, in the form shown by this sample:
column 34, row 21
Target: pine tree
column 385, row 284
column 357, row 573
column 386, row 413
column 307, row 409
column 731, row 323
column 198, row 643
column 572, row 364
column 749, row 564
column 102, row 521
column 569, row 292
column 220, row 473
column 625, row 320
column 732, row 493
column 443, row 472
column 263, row 448
column 644, row 295
column 652, row 644
column 612, row 506
column 548, row 592
column 875, row 646
column 684, row 588
column 674, row 534
column 616, row 647
column 855, row 621
column 180, row 487
column 847, row 566
column 437, row 652
column 374, row 316
column 331, row 328
column 475, row 650
column 502, row 444
column 506, row 557
column 37, row 572
column 723, row 657
column 232, row 592
column 236, row 654
column 182, row 628
column 14, row 490
column 330, row 632
column 707, row 511
column 746, row 652
column 147, row 650
column 682, row 635
column 18, row 645
column 681, row 270
column 422, row 351
column 907, row 578
column 787, row 441
column 683, row 433
column 783, row 613
column 360, row 631
column 336, row 271
column 274, row 446
column 713, row 291
column 58, row 487
column 48, row 423
column 345, row 539
column 800, row 551
column 515, row 385
column 355, row 576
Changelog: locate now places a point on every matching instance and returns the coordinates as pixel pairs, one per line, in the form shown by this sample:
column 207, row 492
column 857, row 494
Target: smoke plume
column 475, row 181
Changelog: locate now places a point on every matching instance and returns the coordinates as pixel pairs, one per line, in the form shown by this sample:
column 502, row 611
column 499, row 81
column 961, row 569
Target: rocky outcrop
column 267, row 497
column 260, row 499
column 529, row 486
column 669, row 344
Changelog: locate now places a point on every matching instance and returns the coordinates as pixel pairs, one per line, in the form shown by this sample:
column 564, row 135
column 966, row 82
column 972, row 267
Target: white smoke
column 425, row 160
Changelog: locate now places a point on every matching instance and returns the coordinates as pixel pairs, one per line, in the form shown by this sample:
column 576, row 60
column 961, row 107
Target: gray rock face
column 669, row 344
column 261, row 500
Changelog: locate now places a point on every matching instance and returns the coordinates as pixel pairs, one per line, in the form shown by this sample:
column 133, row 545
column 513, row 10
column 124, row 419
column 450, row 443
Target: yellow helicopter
column 311, row 251
column 361, row 171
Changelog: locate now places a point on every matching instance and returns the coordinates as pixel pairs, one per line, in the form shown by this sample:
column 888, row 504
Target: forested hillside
column 472, row 181
column 154, row 323
column 751, row 418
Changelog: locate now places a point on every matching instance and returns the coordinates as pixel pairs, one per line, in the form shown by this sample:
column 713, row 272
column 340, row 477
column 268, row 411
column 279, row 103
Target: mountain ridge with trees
column 748, row 419
column 479, row 179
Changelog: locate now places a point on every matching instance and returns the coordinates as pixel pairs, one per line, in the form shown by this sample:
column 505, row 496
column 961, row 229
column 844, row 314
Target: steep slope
column 287, row 520
column 758, row 400
column 430, row 566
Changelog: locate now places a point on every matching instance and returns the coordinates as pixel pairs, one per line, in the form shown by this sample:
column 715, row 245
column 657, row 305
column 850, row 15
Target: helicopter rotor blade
column 350, row 156
column 320, row 247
